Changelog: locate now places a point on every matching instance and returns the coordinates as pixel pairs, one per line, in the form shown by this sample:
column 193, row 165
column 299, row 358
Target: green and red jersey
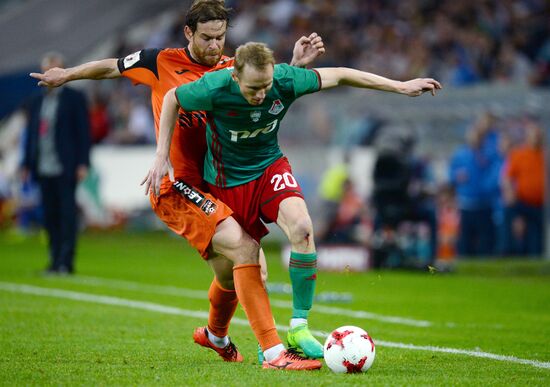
column 242, row 138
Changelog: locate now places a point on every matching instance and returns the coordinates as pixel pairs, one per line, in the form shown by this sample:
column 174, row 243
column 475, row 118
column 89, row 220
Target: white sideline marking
column 107, row 300
column 149, row 306
column 137, row 286
column 361, row 314
column 199, row 294
column 485, row 355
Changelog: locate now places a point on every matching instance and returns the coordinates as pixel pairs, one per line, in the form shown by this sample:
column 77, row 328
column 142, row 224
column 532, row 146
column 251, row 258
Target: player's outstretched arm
column 99, row 69
column 307, row 49
column 161, row 165
column 342, row 76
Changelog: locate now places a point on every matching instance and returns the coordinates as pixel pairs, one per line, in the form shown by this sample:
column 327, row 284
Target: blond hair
column 257, row 55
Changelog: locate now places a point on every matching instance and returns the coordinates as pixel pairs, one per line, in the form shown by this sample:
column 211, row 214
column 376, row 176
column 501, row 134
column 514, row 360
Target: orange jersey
column 163, row 70
column 448, row 227
column 525, row 167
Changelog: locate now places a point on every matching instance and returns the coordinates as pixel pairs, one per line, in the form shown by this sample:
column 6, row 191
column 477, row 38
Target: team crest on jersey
column 209, row 207
column 255, row 115
column 277, row 107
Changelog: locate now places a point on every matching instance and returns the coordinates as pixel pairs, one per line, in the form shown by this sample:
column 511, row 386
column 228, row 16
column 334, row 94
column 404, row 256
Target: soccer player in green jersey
column 244, row 165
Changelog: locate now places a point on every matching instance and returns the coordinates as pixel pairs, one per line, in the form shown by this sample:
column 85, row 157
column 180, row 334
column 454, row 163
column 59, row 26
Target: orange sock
column 223, row 303
column 253, row 298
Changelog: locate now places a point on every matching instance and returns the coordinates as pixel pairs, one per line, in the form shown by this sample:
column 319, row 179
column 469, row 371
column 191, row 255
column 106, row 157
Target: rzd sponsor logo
column 241, row 134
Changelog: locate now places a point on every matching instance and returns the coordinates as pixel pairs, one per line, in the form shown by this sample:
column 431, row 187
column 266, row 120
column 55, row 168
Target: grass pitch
column 127, row 317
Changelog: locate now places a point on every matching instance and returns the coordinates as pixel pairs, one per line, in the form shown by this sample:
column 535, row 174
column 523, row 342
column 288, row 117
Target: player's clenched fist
column 419, row 86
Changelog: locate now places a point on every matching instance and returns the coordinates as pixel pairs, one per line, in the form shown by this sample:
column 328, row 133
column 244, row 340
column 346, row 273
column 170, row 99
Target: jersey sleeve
column 195, row 95
column 141, row 67
column 304, row 81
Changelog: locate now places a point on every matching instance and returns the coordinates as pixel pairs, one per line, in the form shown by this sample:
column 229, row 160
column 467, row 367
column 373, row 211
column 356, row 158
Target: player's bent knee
column 301, row 230
column 236, row 245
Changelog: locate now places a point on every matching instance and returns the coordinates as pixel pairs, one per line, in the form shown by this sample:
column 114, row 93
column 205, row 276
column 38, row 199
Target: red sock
column 223, row 303
column 253, row 298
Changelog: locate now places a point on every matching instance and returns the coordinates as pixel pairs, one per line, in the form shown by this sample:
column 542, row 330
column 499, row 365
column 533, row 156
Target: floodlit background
column 493, row 59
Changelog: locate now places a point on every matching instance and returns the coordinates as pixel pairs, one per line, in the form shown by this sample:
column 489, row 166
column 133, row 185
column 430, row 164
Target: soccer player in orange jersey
column 185, row 206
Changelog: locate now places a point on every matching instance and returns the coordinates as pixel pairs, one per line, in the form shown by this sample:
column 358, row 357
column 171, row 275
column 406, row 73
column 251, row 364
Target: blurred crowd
column 498, row 177
column 490, row 204
column 457, row 42
column 460, row 43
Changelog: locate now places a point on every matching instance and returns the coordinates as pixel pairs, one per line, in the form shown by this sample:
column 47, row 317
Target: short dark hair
column 202, row 11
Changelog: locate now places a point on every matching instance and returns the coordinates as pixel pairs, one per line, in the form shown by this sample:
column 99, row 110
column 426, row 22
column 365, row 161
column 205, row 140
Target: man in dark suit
column 57, row 155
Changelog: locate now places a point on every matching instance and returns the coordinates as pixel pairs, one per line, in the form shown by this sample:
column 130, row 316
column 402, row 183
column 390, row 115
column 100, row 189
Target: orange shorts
column 190, row 213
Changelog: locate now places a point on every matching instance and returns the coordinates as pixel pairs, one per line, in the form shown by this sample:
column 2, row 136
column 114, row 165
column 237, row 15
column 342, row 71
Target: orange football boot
column 290, row 360
column 228, row 353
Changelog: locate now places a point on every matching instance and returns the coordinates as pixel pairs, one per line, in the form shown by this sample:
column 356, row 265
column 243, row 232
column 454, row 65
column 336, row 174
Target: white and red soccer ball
column 349, row 349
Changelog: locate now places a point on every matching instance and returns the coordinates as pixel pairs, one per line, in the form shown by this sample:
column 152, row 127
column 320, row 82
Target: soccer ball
column 349, row 349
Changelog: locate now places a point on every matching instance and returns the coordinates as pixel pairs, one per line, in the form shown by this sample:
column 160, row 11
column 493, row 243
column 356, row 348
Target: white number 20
column 282, row 181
